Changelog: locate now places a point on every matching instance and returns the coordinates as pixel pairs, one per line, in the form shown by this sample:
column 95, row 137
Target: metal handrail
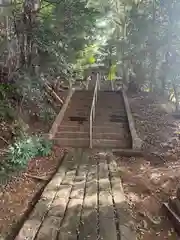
column 93, row 109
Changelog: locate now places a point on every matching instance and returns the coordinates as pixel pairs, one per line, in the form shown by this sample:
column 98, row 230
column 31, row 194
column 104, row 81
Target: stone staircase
column 74, row 129
column 110, row 126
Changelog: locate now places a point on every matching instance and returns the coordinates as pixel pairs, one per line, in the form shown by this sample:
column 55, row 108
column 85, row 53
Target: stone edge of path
column 60, row 116
column 15, row 230
column 136, row 141
column 128, row 152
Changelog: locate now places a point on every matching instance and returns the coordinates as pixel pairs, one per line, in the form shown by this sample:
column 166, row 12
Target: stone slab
column 71, row 221
column 49, row 228
column 107, row 228
column 89, row 205
column 29, row 230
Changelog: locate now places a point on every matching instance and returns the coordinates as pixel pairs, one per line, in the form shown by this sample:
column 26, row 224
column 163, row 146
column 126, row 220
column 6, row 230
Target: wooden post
column 90, row 135
column 93, row 111
column 112, row 85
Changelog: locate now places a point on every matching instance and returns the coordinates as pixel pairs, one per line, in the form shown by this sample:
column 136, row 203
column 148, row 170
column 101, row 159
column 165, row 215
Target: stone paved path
column 83, row 201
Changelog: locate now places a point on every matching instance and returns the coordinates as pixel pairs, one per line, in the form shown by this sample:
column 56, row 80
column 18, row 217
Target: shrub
column 22, row 151
column 47, row 114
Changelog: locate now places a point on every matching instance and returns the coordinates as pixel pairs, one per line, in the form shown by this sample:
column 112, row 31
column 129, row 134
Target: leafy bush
column 22, row 151
column 47, row 114
column 43, row 146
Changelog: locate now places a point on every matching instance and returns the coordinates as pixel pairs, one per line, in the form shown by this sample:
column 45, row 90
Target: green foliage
column 143, row 41
column 47, row 114
column 48, row 43
column 6, row 108
column 22, row 151
column 66, row 28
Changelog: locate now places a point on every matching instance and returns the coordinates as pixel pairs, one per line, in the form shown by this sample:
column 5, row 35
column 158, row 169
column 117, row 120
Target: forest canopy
column 57, row 41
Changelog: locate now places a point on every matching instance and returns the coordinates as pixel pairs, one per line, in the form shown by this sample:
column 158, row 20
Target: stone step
column 72, row 117
column 109, row 124
column 110, row 92
column 72, row 134
column 96, row 135
column 72, row 142
column 82, row 94
column 107, row 120
column 83, row 100
column 101, row 117
column 110, row 100
column 80, row 100
column 104, row 128
column 122, row 132
column 83, row 91
column 110, row 95
column 115, row 111
column 108, row 143
column 96, row 125
column 79, row 106
column 97, row 143
column 82, row 97
column 84, row 124
column 111, row 103
column 76, row 113
column 110, row 118
column 106, row 106
column 73, row 127
column 112, row 136
column 102, row 111
column 128, row 153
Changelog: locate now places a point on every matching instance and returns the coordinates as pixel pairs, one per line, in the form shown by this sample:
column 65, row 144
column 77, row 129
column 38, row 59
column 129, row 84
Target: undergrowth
column 21, row 152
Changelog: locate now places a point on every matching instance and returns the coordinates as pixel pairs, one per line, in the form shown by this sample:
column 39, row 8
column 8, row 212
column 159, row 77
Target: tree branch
column 53, row 93
column 4, row 140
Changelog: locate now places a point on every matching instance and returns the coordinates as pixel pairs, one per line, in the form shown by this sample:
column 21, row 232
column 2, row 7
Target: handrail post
column 93, row 111
column 90, row 132
column 98, row 81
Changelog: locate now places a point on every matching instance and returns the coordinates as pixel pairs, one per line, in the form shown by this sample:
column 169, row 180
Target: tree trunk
column 153, row 83
column 176, row 95
column 24, row 31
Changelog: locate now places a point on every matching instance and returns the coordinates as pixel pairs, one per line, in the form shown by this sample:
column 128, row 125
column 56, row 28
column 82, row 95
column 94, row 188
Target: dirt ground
column 17, row 195
column 146, row 187
column 150, row 182
column 155, row 124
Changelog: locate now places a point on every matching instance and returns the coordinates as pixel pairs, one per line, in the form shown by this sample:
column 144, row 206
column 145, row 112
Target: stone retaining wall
column 136, row 141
